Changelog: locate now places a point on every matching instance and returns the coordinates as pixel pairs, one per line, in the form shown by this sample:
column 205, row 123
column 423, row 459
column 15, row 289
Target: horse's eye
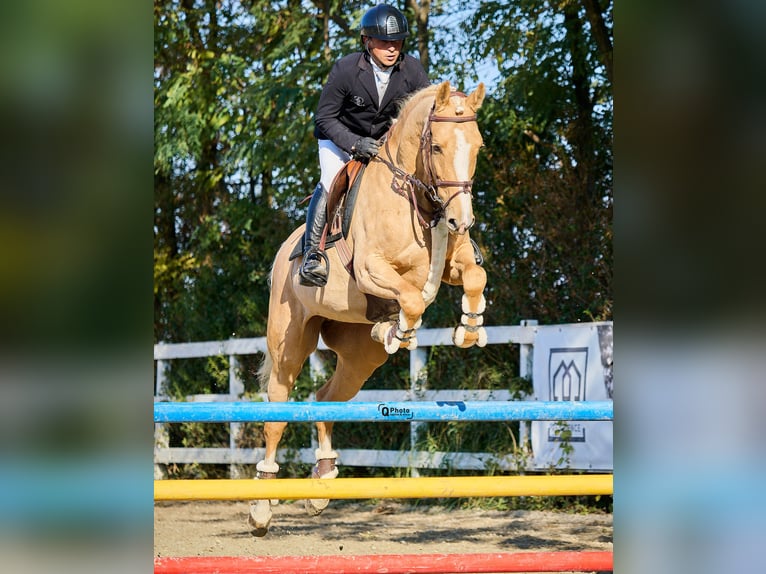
column 436, row 148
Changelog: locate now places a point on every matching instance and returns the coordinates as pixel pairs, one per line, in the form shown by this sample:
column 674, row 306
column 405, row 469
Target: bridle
column 404, row 183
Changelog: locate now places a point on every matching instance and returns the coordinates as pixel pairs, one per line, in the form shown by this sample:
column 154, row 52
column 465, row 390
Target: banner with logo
column 573, row 363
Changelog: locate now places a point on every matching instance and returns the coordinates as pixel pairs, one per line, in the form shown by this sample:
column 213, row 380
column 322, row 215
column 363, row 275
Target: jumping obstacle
column 365, row 488
column 390, row 563
column 401, row 411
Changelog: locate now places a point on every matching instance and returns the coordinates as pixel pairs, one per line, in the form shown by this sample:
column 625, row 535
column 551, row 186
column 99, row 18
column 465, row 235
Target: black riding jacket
column 348, row 106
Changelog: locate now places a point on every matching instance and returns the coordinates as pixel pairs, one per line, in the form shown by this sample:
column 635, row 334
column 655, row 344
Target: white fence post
column 161, row 436
column 316, row 366
column 418, row 381
column 236, row 390
column 526, row 356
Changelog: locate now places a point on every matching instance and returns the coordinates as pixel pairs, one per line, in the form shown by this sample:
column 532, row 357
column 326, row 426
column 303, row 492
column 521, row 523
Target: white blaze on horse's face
column 451, row 160
column 457, row 163
column 463, row 172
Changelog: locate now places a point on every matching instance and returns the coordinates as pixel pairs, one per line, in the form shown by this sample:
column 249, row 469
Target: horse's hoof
column 260, row 517
column 315, row 506
column 392, row 338
column 392, row 344
column 458, row 337
column 379, row 332
column 324, row 469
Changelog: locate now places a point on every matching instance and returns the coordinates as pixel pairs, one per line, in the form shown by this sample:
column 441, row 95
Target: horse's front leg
column 378, row 278
column 463, row 269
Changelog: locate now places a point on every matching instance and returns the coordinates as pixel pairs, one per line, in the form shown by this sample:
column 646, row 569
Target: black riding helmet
column 385, row 23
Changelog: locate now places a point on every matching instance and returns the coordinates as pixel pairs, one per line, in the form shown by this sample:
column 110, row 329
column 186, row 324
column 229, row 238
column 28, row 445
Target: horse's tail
column 264, row 372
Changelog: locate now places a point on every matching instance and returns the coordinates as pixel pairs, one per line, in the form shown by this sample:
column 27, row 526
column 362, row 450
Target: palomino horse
column 408, row 232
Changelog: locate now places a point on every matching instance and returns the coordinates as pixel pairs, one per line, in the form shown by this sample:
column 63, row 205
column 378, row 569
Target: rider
column 355, row 109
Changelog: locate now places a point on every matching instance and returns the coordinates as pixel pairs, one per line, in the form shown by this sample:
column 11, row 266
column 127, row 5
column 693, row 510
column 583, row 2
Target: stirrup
column 317, row 275
column 478, row 257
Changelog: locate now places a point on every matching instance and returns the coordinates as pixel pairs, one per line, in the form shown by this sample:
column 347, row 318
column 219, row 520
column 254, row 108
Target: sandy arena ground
column 386, row 527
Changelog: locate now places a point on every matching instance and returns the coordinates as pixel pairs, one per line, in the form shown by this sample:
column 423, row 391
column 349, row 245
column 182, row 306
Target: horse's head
column 449, row 147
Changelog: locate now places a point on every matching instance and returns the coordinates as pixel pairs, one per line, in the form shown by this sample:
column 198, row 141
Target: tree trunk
column 581, row 135
column 421, row 9
column 600, row 34
column 326, row 30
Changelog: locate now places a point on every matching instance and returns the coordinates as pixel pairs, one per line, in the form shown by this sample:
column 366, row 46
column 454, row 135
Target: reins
column 406, row 187
column 404, row 183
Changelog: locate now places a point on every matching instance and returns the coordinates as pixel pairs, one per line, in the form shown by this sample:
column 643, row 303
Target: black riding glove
column 364, row 148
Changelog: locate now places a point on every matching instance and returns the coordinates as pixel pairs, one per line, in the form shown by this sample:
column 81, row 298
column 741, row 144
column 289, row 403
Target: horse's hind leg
column 358, row 357
column 290, row 348
column 260, row 510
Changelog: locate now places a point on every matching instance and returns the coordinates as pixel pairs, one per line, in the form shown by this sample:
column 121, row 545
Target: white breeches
column 331, row 160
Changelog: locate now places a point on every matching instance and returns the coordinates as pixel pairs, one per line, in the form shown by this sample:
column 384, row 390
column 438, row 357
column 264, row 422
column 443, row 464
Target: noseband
column 404, row 183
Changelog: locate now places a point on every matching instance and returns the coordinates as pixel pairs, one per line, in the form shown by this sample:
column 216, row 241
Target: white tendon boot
column 458, row 335
column 324, row 468
column 260, row 510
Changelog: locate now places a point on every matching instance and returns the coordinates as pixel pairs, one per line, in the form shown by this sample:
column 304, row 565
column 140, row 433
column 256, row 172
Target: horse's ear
column 476, row 98
column 443, row 93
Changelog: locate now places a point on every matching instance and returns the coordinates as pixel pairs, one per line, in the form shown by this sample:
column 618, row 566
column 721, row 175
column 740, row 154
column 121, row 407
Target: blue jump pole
column 220, row 412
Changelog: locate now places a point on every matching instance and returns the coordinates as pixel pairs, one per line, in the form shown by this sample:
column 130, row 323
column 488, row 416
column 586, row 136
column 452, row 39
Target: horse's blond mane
column 415, row 97
column 412, row 102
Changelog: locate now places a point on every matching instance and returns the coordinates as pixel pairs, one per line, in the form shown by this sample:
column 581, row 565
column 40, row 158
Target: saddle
column 341, row 199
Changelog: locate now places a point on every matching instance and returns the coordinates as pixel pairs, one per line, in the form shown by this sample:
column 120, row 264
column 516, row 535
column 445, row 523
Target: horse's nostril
column 456, row 227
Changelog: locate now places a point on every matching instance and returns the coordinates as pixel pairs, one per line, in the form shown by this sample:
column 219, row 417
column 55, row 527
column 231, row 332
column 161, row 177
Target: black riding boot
column 315, row 265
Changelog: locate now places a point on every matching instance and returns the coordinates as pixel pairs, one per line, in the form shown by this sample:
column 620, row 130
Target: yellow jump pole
column 347, row 488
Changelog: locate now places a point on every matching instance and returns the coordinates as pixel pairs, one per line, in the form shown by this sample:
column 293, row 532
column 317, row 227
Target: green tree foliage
column 543, row 185
column 545, row 178
column 236, row 85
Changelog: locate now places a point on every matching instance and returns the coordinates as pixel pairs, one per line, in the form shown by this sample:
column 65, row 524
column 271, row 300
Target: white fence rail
column 522, row 335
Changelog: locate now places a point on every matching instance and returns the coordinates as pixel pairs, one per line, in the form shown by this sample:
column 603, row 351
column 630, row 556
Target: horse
column 408, row 233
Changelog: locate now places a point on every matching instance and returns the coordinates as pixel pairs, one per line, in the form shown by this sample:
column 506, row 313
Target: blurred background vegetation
column 235, row 87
